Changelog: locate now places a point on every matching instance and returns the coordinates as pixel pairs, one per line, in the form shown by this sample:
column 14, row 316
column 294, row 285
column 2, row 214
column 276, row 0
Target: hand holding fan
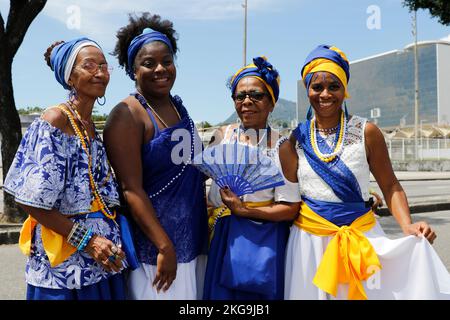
column 243, row 168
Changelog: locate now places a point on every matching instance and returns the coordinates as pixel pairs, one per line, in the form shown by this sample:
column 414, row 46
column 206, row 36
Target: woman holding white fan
column 249, row 233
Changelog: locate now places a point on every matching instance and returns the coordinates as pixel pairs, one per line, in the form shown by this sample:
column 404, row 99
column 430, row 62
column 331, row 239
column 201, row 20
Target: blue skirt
column 228, row 278
column 112, row 288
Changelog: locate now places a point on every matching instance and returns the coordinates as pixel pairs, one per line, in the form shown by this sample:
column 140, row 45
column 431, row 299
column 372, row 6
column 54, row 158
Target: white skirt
column 188, row 284
column 411, row 269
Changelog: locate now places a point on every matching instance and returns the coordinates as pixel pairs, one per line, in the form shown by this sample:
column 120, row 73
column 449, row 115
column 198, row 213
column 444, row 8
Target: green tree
column 438, row 8
column 205, row 124
column 21, row 15
column 30, row 110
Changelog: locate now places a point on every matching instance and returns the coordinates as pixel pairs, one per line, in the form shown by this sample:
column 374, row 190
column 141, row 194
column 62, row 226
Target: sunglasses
column 253, row 95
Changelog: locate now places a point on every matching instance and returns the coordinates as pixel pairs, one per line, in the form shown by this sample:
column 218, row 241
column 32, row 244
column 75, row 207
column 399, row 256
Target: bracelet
column 86, row 238
column 74, row 227
column 78, row 235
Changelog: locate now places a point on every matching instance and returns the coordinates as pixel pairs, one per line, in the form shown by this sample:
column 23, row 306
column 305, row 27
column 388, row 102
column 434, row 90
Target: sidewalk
column 419, row 175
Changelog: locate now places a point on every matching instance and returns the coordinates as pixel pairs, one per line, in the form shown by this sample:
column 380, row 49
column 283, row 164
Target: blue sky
column 211, row 42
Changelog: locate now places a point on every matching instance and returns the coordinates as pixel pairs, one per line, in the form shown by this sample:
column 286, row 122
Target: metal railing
column 427, row 149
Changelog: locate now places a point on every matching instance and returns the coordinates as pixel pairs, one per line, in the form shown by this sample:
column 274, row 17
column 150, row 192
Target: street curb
column 419, row 208
column 9, row 236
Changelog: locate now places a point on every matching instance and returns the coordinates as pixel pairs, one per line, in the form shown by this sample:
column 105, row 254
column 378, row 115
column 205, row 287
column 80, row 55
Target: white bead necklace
column 191, row 124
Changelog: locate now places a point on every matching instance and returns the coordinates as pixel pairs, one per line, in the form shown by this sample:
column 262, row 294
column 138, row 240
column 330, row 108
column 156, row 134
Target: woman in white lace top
column 247, row 252
column 336, row 248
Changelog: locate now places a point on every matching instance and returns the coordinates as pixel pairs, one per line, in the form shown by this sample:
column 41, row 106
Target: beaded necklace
column 192, row 131
column 156, row 114
column 328, row 157
column 328, row 131
column 70, row 105
column 98, row 201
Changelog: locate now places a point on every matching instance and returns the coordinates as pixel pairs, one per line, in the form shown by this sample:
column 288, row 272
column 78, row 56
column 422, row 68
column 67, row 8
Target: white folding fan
column 243, row 168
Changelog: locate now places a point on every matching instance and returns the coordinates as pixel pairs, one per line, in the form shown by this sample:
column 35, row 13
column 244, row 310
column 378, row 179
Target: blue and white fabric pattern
column 50, row 170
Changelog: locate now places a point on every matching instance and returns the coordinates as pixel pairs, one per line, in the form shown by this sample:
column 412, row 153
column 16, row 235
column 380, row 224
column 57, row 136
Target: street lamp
column 416, row 83
column 244, row 5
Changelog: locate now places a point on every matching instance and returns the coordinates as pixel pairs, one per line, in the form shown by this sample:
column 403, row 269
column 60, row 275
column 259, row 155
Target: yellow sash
column 214, row 212
column 348, row 258
column 55, row 245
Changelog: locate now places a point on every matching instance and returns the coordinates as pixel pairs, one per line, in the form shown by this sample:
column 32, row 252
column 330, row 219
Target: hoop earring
column 73, row 94
column 269, row 120
column 238, row 121
column 309, row 114
column 104, row 101
column 345, row 109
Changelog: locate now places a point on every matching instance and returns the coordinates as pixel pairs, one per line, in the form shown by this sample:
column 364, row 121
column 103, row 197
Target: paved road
column 12, row 262
column 421, row 190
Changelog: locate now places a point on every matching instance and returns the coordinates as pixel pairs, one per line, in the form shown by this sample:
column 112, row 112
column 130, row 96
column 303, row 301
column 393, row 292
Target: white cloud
column 179, row 9
column 447, row 38
column 98, row 18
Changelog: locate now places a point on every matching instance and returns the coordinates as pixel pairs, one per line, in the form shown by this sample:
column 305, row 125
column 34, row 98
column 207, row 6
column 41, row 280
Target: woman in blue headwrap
column 61, row 177
column 248, row 236
column 165, row 196
column 336, row 247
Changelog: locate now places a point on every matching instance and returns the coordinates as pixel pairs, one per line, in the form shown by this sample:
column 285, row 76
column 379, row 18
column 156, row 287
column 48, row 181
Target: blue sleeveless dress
column 176, row 191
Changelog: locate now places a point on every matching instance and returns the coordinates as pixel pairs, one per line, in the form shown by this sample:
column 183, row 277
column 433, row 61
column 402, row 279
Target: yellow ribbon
column 214, row 212
column 348, row 258
column 55, row 245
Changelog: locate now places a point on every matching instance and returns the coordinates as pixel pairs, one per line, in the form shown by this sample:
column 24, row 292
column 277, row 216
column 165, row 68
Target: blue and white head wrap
column 63, row 58
column 148, row 35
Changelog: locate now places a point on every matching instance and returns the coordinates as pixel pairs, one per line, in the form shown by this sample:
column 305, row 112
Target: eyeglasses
column 253, row 95
column 93, row 67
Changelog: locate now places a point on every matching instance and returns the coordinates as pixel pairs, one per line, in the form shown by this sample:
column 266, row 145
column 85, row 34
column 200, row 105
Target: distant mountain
column 284, row 111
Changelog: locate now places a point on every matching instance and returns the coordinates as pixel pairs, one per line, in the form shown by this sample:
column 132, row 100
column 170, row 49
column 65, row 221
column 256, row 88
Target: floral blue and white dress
column 50, row 171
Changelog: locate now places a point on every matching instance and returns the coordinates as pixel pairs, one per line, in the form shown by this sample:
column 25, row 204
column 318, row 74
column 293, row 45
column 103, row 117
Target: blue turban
column 63, row 58
column 262, row 70
column 329, row 59
column 148, row 35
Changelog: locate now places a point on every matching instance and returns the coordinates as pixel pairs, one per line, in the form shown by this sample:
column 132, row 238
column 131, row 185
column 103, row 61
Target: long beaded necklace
column 98, row 201
column 328, row 157
column 156, row 114
column 72, row 108
column 192, row 131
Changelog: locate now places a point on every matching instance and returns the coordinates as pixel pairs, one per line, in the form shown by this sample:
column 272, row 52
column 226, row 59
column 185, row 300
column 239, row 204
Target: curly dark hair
column 48, row 53
column 135, row 27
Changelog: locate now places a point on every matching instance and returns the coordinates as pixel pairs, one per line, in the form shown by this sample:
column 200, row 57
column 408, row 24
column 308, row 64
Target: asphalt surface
column 422, row 190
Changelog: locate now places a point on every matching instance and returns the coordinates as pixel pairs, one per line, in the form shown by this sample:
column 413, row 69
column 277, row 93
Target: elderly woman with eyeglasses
column 61, row 177
column 249, row 235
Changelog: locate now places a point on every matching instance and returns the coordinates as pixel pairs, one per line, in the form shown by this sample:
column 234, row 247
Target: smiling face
column 253, row 112
column 155, row 70
column 91, row 84
column 326, row 94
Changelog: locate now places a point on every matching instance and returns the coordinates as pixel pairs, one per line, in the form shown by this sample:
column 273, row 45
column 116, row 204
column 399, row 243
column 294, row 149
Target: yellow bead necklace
column 98, row 202
column 328, row 157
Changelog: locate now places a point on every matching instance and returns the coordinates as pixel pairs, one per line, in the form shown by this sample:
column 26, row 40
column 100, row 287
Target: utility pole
column 416, row 88
column 245, row 32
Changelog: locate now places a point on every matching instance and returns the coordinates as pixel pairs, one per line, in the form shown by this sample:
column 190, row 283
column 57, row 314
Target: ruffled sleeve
column 37, row 175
